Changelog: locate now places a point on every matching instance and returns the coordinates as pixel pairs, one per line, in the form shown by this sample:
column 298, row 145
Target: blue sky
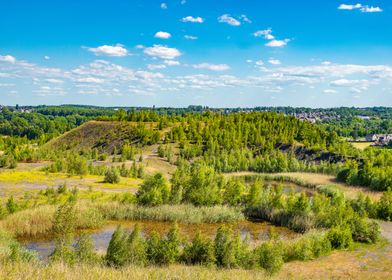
column 229, row 53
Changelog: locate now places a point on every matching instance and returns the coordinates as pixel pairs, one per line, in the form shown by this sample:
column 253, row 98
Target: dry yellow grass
column 361, row 145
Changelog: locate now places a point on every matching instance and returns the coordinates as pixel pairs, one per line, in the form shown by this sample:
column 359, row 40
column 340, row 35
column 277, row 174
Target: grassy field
column 16, row 182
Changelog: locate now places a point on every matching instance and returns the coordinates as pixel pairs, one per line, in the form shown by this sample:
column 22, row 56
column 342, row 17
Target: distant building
column 380, row 139
column 365, row 118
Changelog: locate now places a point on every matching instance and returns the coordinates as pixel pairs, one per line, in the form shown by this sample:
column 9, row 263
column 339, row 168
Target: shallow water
column 257, row 232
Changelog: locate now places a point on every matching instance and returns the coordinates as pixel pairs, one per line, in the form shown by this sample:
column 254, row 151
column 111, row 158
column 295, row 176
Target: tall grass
column 38, row 222
column 60, row 271
column 179, row 213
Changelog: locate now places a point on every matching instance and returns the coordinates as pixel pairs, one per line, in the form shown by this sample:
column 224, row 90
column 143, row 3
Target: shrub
column 84, row 250
column 11, row 205
column 224, row 248
column 340, row 237
column 170, row 246
column 136, row 248
column 112, row 176
column 270, row 257
column 364, row 231
column 154, row 191
column 384, row 207
column 200, row 251
column 116, row 251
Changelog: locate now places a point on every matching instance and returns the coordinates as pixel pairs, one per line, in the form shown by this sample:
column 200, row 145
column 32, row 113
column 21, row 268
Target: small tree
column 224, row 248
column 270, row 257
column 136, row 248
column 112, row 176
column 200, row 251
column 116, row 251
column 84, row 250
column 11, row 205
column 154, row 191
column 63, row 231
column 171, row 246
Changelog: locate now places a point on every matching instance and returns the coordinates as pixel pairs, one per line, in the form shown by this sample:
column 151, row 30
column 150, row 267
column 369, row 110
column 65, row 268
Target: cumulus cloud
column 226, row 18
column 106, row 50
column 162, row 35
column 192, row 19
column 190, row 37
column 7, row 58
column 163, row 6
column 212, row 67
column 277, row 43
column 47, row 57
column 162, row 52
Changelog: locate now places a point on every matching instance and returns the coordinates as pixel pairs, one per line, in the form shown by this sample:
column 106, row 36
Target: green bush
column 112, row 176
column 340, row 237
column 224, row 248
column 384, row 207
column 200, row 251
column 116, row 251
column 136, row 248
column 84, row 250
column 269, row 256
column 154, row 191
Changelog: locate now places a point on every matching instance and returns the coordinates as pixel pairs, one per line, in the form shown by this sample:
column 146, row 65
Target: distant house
column 380, row 139
column 372, row 137
column 365, row 118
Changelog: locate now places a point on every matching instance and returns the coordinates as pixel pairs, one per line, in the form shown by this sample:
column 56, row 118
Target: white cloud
column 183, row 2
column 277, row 43
column 47, row 57
column 267, row 34
column 105, row 50
column 245, row 19
column 8, row 58
column 54, row 81
column 162, row 35
column 362, row 8
column 371, row 9
column 274, row 61
column 226, row 18
column 190, row 37
column 163, row 6
column 349, row 7
column 162, row 52
column 259, row 63
column 212, row 67
column 171, row 62
column 156, row 66
column 192, row 19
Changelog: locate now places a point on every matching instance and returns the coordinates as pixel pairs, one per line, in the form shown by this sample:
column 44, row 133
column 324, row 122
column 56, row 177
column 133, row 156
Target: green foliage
column 154, row 191
column 340, row 237
column 116, row 254
column 270, row 257
column 136, row 248
column 63, row 231
column 11, row 205
column 200, row 251
column 84, row 250
column 112, row 176
column 224, row 248
column 384, row 207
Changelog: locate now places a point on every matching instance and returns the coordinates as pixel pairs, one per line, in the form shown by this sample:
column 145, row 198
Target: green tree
column 154, row 191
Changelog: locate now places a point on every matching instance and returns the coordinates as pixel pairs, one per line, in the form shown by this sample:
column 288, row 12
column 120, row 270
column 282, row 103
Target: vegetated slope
column 104, row 136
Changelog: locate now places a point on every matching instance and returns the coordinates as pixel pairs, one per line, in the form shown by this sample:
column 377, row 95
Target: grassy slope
column 88, row 135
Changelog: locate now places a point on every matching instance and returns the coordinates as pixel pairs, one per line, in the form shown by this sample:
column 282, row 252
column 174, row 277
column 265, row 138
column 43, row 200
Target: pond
column 257, row 232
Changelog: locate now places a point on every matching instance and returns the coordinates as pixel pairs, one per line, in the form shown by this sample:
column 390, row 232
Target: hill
column 104, row 136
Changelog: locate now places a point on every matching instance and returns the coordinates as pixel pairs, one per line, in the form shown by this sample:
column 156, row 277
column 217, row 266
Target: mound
column 105, row 136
